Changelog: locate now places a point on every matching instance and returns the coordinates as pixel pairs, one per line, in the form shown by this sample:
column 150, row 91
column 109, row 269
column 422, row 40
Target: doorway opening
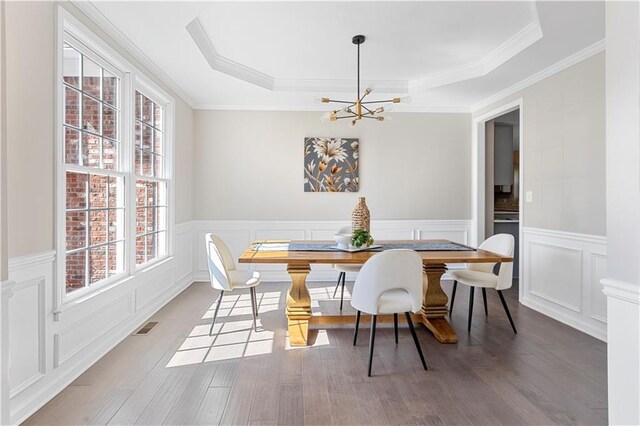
column 498, row 178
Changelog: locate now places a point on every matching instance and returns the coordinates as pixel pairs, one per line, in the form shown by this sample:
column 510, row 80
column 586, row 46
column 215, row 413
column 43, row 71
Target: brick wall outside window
column 94, row 198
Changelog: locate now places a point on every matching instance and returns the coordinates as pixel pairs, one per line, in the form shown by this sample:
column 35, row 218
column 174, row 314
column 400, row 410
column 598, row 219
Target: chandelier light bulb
column 404, row 100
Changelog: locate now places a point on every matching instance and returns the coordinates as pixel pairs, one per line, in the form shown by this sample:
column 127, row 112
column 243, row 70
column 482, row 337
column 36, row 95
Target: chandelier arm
column 364, row 95
column 370, row 116
column 341, row 102
column 345, row 116
column 370, row 112
column 390, row 101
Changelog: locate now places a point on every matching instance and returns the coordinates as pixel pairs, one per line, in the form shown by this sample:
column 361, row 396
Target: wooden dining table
column 298, row 310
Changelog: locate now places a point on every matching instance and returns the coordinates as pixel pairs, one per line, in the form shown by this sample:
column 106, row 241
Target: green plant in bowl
column 361, row 238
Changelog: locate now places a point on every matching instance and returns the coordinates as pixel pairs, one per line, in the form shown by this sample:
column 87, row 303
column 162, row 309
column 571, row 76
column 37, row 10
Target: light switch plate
column 529, row 196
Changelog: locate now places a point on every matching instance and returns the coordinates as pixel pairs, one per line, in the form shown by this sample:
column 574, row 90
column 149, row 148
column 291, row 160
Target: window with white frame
column 95, row 207
column 151, row 183
column 115, row 176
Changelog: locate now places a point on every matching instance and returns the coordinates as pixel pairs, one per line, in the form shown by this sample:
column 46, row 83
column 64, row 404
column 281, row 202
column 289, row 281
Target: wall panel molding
column 561, row 278
column 47, row 355
column 26, row 312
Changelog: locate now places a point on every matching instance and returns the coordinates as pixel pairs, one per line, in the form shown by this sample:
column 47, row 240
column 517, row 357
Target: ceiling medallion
column 359, row 109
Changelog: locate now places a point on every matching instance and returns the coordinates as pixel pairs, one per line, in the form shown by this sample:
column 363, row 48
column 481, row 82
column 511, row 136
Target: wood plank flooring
column 177, row 374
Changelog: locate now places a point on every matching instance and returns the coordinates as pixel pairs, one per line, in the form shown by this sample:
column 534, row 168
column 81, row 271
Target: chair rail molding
column 238, row 234
column 561, row 278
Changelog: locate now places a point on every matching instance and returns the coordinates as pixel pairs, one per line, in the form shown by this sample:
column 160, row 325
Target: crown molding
column 242, row 72
column 524, row 38
column 520, row 41
column 562, row 65
column 339, row 86
column 222, row 64
column 320, row 108
column 98, row 18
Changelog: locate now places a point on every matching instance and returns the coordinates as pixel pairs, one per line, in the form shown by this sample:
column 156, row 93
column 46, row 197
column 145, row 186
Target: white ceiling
column 279, row 55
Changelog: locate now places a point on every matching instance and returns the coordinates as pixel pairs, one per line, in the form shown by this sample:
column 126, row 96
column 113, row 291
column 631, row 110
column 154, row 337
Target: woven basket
column 361, row 218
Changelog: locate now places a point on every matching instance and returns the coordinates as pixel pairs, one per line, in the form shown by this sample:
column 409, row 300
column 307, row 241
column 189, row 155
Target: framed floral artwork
column 331, row 165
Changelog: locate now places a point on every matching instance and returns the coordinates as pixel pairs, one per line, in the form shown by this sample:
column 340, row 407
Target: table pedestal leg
column 298, row 305
column 434, row 305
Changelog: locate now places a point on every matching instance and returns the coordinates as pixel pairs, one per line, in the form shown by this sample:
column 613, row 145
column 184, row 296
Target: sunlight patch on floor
column 233, row 335
column 322, row 339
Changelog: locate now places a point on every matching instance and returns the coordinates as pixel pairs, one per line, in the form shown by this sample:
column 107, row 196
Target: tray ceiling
column 277, row 55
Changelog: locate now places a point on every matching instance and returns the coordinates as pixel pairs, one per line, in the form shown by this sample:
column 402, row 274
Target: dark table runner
column 311, row 246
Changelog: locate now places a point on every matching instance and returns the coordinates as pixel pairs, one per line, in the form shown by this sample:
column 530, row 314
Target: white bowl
column 343, row 240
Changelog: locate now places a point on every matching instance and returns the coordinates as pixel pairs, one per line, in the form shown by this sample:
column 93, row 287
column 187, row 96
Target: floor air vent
column 146, row 329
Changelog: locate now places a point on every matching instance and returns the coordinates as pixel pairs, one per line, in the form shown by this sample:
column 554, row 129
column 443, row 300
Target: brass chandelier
column 359, row 109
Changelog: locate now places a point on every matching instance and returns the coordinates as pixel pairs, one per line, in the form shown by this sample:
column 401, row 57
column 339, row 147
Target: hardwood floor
column 177, row 374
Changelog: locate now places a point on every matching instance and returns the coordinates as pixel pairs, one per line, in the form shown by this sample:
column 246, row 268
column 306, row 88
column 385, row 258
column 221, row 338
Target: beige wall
column 184, row 157
column 3, row 164
column 31, row 128
column 564, row 148
column 250, row 166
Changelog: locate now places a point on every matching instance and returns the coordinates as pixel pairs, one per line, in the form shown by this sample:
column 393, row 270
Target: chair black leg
column 395, row 326
column 338, row 284
column 254, row 308
column 471, row 291
column 506, row 309
column 484, row 298
column 215, row 313
column 255, row 300
column 415, row 339
column 372, row 340
column 355, row 332
column 453, row 297
column 344, row 277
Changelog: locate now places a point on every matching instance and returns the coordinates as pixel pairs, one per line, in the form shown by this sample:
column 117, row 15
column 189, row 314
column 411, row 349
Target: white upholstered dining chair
column 343, row 269
column 225, row 277
column 481, row 275
column 389, row 283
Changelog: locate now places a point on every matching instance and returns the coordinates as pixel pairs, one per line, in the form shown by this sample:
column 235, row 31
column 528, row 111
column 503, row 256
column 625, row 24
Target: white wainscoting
column 561, row 278
column 239, row 234
column 562, row 273
column 623, row 351
column 45, row 354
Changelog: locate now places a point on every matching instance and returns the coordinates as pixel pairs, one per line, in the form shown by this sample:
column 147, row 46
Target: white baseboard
column 561, row 278
column 103, row 345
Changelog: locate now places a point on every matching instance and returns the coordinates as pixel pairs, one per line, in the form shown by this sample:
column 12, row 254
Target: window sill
column 152, row 264
column 116, row 281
